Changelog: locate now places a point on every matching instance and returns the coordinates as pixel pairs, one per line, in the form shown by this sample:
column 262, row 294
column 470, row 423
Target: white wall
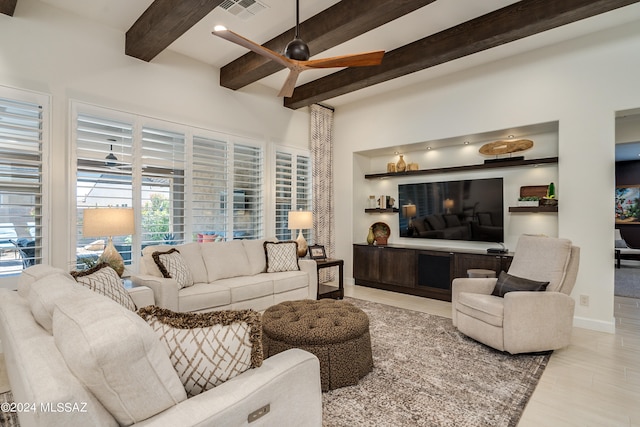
column 48, row 50
column 579, row 83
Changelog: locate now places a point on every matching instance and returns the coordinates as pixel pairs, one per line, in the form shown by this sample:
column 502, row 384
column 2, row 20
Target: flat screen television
column 454, row 210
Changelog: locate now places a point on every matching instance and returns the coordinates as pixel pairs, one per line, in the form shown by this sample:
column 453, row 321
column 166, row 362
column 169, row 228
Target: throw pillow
column 207, row 349
column 117, row 356
column 173, row 266
column 105, row 281
column 436, row 222
column 452, row 221
column 508, row 283
column 281, row 256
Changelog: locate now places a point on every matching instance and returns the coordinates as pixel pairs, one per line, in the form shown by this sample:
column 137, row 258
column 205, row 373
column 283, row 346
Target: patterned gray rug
column 428, row 374
column 7, row 418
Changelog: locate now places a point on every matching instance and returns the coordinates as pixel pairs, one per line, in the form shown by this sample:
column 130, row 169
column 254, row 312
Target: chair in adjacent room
column 529, row 308
column 27, row 250
column 623, row 250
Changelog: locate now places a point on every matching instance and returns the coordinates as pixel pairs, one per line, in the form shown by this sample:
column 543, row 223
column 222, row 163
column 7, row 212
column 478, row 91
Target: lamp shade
column 100, row 222
column 409, row 210
column 300, row 220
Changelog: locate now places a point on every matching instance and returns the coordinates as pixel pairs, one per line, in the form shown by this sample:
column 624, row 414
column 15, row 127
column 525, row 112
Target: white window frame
column 44, row 100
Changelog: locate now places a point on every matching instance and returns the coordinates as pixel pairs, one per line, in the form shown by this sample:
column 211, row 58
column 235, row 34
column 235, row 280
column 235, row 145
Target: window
column 23, row 148
column 104, row 150
column 185, row 184
column 292, row 188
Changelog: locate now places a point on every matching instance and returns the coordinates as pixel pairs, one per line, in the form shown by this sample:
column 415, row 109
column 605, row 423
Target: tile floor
column 593, row 382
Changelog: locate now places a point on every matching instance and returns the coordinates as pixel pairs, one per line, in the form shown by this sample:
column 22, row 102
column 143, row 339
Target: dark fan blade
column 356, row 60
column 229, row 35
column 290, row 84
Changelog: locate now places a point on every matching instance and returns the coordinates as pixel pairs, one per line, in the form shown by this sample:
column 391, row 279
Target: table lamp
column 300, row 220
column 101, row 222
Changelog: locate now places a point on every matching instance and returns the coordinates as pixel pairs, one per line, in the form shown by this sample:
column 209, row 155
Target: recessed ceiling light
column 429, row 148
column 466, row 143
column 511, row 136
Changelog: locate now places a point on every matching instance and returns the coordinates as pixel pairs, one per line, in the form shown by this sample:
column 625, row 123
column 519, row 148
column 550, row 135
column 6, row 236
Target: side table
column 325, row 291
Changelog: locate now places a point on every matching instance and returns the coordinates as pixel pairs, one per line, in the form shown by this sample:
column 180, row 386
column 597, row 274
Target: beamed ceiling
column 417, row 35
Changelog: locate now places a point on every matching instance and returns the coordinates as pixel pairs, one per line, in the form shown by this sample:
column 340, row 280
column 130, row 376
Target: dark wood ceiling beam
column 8, row 7
column 162, row 23
column 341, row 22
column 514, row 22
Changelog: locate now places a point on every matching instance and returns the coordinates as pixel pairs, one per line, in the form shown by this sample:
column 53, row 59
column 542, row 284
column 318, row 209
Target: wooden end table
column 325, row 291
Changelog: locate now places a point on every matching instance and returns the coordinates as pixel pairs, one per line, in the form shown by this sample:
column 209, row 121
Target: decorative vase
column 370, row 237
column 401, row 166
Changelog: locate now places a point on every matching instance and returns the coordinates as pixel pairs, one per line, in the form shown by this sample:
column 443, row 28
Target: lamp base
column 302, row 245
column 111, row 256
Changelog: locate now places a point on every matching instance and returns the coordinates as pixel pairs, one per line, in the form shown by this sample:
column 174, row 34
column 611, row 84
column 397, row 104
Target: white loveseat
column 51, row 391
column 226, row 275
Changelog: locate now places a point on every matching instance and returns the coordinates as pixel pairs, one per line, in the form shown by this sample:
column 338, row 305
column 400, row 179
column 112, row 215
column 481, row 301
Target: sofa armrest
column 142, row 296
column 534, row 320
column 474, row 285
column 288, row 382
column 165, row 291
column 309, row 266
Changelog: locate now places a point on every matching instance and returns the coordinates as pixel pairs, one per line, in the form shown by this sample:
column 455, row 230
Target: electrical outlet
column 584, row 300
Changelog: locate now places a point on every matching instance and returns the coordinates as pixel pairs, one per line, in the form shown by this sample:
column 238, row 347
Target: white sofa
column 227, row 275
column 289, row 383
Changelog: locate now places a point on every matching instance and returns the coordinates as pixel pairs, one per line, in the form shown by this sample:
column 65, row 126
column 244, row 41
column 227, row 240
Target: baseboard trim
column 595, row 325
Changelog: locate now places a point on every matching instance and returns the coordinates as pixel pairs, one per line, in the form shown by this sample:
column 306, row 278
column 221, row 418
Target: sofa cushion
column 248, row 287
column 203, row 296
column 32, row 274
column 255, row 254
column 117, row 356
column 207, row 349
column 288, row 280
column 173, row 266
column 225, row 259
column 281, row 256
column 488, row 308
column 104, row 280
column 44, row 294
column 508, row 283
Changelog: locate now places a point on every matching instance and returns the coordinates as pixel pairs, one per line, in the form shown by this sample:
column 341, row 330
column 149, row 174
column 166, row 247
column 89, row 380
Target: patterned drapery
column 322, row 161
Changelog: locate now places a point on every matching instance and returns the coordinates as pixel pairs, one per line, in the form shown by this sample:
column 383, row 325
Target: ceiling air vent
column 243, row 9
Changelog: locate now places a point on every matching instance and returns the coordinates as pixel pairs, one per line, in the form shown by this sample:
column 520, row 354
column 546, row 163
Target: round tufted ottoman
column 335, row 331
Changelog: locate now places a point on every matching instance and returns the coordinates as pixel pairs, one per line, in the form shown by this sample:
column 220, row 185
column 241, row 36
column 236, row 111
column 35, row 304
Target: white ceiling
column 198, row 43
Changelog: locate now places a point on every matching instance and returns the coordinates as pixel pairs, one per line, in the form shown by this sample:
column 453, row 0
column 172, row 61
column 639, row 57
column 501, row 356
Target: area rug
column 627, row 282
column 428, row 374
column 7, row 418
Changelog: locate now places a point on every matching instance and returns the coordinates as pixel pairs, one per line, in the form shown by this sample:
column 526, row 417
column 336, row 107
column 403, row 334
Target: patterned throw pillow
column 207, row 349
column 172, row 266
column 105, row 281
column 281, row 256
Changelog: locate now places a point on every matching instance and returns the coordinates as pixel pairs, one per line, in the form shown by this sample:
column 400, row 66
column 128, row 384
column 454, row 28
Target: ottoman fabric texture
column 335, row 331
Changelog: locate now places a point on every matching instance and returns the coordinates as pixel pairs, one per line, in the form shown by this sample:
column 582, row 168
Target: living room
column 580, row 85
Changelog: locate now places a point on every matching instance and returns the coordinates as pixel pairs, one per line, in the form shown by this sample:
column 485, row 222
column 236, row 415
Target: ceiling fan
column 296, row 55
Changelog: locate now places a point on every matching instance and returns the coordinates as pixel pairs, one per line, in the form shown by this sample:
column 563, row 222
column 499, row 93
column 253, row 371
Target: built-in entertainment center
column 436, row 207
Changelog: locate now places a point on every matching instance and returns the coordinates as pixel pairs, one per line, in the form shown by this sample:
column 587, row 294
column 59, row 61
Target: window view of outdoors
column 20, row 185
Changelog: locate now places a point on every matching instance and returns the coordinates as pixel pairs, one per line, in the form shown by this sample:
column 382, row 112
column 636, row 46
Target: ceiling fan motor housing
column 297, row 49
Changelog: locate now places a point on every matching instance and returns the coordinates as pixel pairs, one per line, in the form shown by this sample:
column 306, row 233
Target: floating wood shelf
column 530, row 209
column 493, row 165
column 376, row 210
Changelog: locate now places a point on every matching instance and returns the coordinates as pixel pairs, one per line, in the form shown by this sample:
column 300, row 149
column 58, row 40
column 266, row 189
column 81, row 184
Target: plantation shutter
column 303, row 189
column 283, row 188
column 21, row 184
column 162, row 189
column 209, row 189
column 247, row 199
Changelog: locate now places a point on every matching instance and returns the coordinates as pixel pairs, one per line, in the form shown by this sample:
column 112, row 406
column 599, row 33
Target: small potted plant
column 530, row 201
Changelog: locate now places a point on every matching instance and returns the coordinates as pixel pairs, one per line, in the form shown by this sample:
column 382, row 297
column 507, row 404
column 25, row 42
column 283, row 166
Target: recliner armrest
column 165, row 291
column 474, row 285
column 537, row 319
